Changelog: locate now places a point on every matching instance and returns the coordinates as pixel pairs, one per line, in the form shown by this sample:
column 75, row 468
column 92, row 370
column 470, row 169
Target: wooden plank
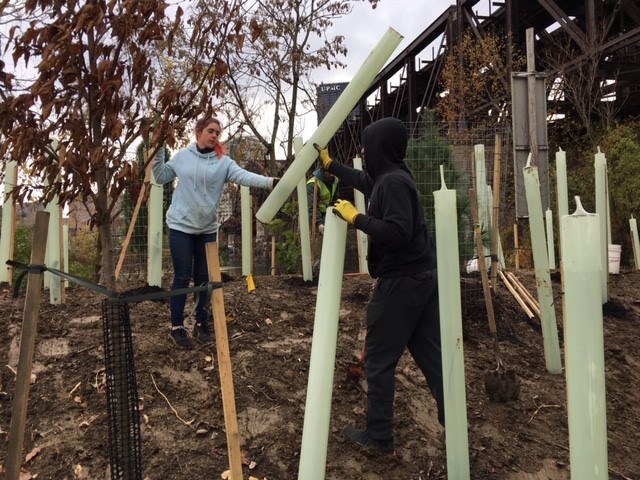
column 224, row 364
column 515, row 294
column 27, row 349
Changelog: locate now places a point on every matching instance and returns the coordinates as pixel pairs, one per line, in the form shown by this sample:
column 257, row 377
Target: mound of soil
column 270, row 333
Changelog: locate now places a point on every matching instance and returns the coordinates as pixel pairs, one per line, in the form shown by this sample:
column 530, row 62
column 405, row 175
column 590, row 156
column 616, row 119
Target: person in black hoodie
column 403, row 311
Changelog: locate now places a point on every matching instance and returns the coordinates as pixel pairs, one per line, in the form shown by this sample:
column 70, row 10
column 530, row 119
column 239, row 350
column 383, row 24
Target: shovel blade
column 502, row 385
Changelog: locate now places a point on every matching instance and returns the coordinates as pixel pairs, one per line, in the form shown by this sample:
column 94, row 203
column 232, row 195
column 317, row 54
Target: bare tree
column 474, row 80
column 97, row 89
column 270, row 76
column 580, row 80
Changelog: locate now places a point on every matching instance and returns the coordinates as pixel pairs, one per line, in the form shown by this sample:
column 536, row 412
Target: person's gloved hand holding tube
column 345, row 210
column 324, row 155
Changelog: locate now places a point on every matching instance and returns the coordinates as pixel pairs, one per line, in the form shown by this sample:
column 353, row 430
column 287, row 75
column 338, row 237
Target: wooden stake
column 497, row 160
column 143, row 192
column 515, row 294
column 224, row 364
column 27, row 349
column 273, row 255
column 526, row 294
column 146, row 185
column 516, row 246
column 531, row 97
column 482, row 266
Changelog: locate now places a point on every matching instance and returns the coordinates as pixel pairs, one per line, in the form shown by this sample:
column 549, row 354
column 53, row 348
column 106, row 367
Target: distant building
column 327, row 95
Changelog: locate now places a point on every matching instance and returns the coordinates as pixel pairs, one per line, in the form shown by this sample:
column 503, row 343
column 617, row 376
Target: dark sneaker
column 370, row 445
column 180, row 336
column 202, row 332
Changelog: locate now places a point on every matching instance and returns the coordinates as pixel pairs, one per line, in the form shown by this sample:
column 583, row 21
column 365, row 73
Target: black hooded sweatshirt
column 399, row 243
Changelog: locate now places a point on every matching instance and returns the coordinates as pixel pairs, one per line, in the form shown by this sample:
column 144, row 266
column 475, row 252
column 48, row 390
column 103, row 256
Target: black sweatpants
column 403, row 312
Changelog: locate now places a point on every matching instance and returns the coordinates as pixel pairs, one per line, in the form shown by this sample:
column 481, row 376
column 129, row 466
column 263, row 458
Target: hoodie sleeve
column 239, row 175
column 392, row 225
column 162, row 172
column 352, row 177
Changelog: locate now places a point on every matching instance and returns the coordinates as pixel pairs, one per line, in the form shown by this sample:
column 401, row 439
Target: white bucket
column 614, row 259
column 471, row 265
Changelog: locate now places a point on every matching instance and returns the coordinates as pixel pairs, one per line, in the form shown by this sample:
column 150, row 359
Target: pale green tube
column 53, row 251
column 501, row 262
column 550, row 239
column 154, row 234
column 483, row 199
column 584, row 345
column 317, row 412
column 303, row 213
column 363, row 240
column 600, row 166
column 635, row 244
column 8, row 214
column 65, row 250
column 330, row 124
column 455, row 399
column 541, row 267
column 247, row 231
column 561, row 188
column 481, row 184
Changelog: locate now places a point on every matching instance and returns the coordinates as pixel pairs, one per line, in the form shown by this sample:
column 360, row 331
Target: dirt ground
column 270, row 333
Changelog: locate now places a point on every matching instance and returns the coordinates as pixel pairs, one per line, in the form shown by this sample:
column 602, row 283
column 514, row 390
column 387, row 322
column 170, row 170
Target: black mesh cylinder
column 122, row 395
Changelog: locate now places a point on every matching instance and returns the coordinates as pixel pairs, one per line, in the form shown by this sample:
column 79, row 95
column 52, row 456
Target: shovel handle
column 482, row 266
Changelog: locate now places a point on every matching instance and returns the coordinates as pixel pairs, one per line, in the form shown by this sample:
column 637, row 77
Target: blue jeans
column 189, row 258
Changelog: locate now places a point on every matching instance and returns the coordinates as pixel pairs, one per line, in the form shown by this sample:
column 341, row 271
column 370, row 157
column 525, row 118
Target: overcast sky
column 364, row 27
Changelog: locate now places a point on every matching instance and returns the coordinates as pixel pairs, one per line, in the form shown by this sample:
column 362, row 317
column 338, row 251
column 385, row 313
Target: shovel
column 356, row 369
column 500, row 384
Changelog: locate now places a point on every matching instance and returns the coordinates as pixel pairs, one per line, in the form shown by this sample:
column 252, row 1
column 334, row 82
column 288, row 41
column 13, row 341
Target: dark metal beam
column 420, row 43
column 565, row 23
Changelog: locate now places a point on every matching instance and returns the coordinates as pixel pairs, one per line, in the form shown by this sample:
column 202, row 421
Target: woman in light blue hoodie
column 202, row 169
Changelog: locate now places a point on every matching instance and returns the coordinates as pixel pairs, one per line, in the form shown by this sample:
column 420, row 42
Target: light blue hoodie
column 201, row 179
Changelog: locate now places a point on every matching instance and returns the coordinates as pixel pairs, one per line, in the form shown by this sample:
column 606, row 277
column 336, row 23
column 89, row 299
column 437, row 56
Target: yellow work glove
column 324, row 155
column 345, row 210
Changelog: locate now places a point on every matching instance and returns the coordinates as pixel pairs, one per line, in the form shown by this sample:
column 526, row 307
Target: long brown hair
column 203, row 123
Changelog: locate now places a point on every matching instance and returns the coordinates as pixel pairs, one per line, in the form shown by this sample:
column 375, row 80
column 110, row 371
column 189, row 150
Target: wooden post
column 531, row 97
column 224, row 364
column 515, row 245
column 273, row 255
column 27, row 348
column 497, row 160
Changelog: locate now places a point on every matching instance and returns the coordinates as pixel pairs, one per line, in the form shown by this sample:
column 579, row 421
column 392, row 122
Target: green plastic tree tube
column 455, row 399
column 247, row 231
column 550, row 239
column 330, row 124
column 154, row 214
column 600, row 166
column 584, row 345
column 9, row 212
column 541, row 267
column 317, row 412
column 561, row 187
column 635, row 244
column 303, row 214
column 53, row 257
